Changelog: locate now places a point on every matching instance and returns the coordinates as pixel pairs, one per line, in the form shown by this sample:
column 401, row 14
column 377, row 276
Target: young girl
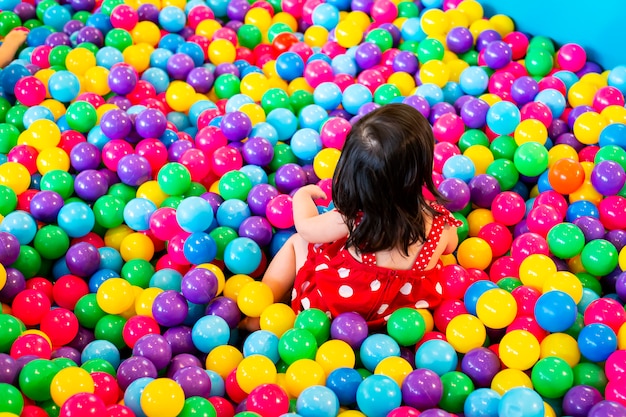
column 379, row 249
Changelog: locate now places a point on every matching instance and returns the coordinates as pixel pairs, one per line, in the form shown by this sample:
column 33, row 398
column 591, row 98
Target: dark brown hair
column 386, row 160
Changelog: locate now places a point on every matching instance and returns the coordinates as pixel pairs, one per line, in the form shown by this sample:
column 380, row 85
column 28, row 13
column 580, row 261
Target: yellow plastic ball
column 456, row 67
column 535, row 270
column 55, row 106
column 254, row 85
column 561, row 151
column 395, row 368
column 207, row 28
column 530, row 130
column 481, row 156
column 146, row 32
column 180, row 96
column 496, row 308
column 138, row 56
column 434, row 22
column 131, row 311
column 234, row 284
column 70, row 381
column 474, row 252
column 435, row 72
column 260, row 18
column 586, row 192
column 334, row 354
column 277, row 318
column 561, row 345
column 348, row 33
column 567, row 282
column 465, row 332
column 255, row 370
column 51, row 159
column 457, row 18
column 490, row 98
column 254, row 112
column 614, row 114
column 403, row 80
column 286, row 18
column 316, row 36
column 162, row 397
column 137, row 246
column 3, row 277
column 222, row 51
column 477, row 219
column 507, row 379
column 96, row 81
column 588, row 126
column 114, row 236
column 472, row 9
column 151, row 190
column 621, row 259
column 45, row 134
column 145, row 300
column 79, row 60
column 621, row 337
column 503, row 24
column 254, row 297
column 15, row 176
column 302, row 374
column 519, row 349
column 115, row 295
column 219, row 274
column 362, row 19
column 581, row 94
column 223, row 359
column 350, row 413
column 325, row 162
column 44, row 75
column 297, row 84
column 594, row 78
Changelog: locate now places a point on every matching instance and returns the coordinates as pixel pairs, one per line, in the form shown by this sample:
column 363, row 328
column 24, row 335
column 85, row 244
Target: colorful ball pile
column 148, row 154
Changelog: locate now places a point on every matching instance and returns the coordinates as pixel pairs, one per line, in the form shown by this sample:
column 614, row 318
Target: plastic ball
column 378, row 395
column 519, row 349
column 521, row 400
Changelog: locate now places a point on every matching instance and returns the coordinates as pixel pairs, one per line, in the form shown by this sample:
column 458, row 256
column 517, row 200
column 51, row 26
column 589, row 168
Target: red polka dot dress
column 333, row 281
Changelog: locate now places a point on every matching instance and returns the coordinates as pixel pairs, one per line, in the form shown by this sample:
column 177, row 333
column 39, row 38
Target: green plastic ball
column 406, row 326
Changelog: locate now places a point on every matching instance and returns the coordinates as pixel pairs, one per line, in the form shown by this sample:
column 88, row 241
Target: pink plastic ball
column 447, row 310
column 455, row 280
column 503, row 267
column 607, row 96
column 124, row 17
column 30, row 91
column 498, row 236
column 553, row 199
column 138, row 326
column 528, row 244
column 371, row 78
column 500, row 83
column 176, row 248
column 605, row 311
column 384, row 11
column 525, row 298
column 615, row 365
column 571, row 57
column 529, row 324
column 163, row 223
column 538, row 111
column 334, row 132
column 613, row 212
column 279, row 211
column 83, row 404
column 197, row 163
column 113, row 151
column 317, row 72
column 448, row 128
column 154, row 151
column 226, row 159
column 542, row 218
column 443, row 151
column 508, row 208
column 518, row 43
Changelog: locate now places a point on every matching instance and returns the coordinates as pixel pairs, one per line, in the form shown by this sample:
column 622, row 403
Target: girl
column 379, row 249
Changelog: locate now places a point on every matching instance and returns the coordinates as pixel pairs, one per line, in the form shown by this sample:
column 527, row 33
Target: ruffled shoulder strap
column 447, row 216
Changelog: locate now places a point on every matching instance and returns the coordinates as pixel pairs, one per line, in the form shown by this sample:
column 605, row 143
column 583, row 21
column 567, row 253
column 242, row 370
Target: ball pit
column 149, row 152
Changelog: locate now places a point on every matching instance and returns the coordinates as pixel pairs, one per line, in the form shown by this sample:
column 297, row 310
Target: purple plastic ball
column 257, row 151
column 82, row 259
column 237, row 9
column 367, row 55
column 134, row 170
column 459, row 40
column 557, row 128
column 179, row 339
column 257, row 228
column 8, row 369
column 524, row 90
column 148, row 12
column 608, row 177
column 181, row 361
column 486, row 37
column 116, row 124
column 580, row 399
column 199, row 285
column 290, row 177
column 422, row 389
column 194, row 381
column 90, row 185
column 170, row 308
column 84, row 156
column 474, row 113
column 177, row 149
column 15, row 284
column 569, row 139
column 607, row 408
column 439, row 109
column 122, row 79
column 59, row 38
column 154, row 347
column 45, row 206
column 226, row 68
column 150, row 123
column 349, row 327
column 25, row 11
column 617, row 237
column 259, row 196
column 9, row 248
column 483, row 189
column 90, row 34
column 591, row 227
column 179, row 66
column 498, row 54
column 406, row 61
column 419, row 103
column 134, row 368
column 82, row 339
column 67, row 352
column 225, row 308
column 236, row 126
column 481, row 365
column 201, row 79
column 456, row 191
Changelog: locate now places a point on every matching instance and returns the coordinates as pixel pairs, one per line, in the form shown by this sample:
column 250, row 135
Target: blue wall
column 599, row 26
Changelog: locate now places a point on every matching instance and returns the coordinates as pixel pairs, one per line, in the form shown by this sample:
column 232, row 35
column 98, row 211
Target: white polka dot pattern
column 346, row 291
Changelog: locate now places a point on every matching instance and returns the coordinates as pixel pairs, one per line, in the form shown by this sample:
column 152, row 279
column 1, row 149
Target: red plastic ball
column 61, row 326
column 68, row 289
column 30, row 306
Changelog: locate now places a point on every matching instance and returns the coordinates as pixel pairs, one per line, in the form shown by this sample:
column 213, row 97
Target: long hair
column 377, row 187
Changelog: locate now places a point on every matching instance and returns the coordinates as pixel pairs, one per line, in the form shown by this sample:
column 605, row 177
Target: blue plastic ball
column 355, row 96
column 101, row 349
column 474, row 80
column 344, row 382
column 503, row 117
column 263, row 343
column 377, row 347
column 194, row 214
column 232, row 213
column 132, row 395
column 377, row 395
column 555, row 311
column 63, row 86
column 242, row 255
column 210, row 332
column 436, row 355
column 137, row 213
column 76, row 219
column 306, row 143
column 482, row 402
column 21, row 225
column 284, row 122
column 521, row 401
column 317, row 401
column 199, row 248
column 289, row 66
column 459, row 166
column 597, row 342
column 473, row 293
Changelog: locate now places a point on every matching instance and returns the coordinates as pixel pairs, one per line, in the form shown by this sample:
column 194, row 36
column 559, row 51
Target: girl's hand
column 313, row 191
column 16, row 37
